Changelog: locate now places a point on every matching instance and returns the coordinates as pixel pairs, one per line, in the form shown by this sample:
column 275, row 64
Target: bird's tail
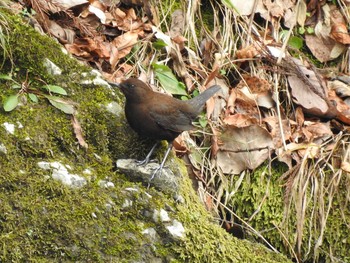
column 199, row 101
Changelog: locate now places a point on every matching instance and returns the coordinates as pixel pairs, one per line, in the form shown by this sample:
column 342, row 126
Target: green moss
column 205, row 240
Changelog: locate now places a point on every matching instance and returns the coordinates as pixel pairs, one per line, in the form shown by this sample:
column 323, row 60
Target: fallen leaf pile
column 255, row 117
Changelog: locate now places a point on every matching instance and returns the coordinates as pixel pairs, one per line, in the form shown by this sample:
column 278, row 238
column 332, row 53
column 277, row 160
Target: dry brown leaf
column 121, row 46
column 206, row 48
column 180, row 41
column 243, row 148
column 275, row 130
column 89, row 48
column 64, row 35
column 317, row 130
column 240, row 120
column 126, row 21
column 214, row 141
column 307, row 90
column 342, row 89
column 341, row 106
column 78, row 132
column 299, row 116
column 255, row 84
column 340, row 34
column 275, row 8
column 321, row 48
column 230, row 107
column 220, row 98
column 150, row 11
column 246, row 105
column 345, row 166
column 259, row 91
column 248, row 52
column 180, row 146
column 284, row 156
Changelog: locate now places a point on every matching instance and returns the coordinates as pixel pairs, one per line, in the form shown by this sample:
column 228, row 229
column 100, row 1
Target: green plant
column 33, row 94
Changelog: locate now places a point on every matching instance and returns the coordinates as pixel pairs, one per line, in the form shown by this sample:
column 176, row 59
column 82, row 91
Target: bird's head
column 134, row 89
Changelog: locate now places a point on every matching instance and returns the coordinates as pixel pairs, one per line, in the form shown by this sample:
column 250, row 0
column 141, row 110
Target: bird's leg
column 146, row 160
column 170, row 145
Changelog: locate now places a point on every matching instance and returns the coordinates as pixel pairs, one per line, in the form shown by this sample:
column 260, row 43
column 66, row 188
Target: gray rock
column 165, row 180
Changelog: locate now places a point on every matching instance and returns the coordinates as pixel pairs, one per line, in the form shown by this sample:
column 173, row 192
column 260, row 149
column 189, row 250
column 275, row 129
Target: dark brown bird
column 159, row 116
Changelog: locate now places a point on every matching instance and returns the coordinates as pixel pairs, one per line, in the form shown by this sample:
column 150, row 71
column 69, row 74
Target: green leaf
column 310, row 30
column 55, row 89
column 33, row 97
column 11, row 102
column 159, row 44
column 6, row 77
column 66, row 108
column 168, row 80
column 203, row 121
column 16, row 86
column 295, row 42
column 61, row 104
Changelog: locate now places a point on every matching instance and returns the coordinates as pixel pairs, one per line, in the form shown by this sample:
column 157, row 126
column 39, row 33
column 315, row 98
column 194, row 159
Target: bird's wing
column 172, row 119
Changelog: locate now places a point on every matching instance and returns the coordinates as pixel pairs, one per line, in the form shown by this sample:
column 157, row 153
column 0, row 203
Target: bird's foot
column 145, row 161
column 156, row 171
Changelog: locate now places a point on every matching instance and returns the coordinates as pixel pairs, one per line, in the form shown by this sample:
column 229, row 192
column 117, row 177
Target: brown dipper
column 158, row 116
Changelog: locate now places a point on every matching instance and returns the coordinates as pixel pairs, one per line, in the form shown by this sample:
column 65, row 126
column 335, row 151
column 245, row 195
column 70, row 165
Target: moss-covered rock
column 109, row 218
column 273, row 207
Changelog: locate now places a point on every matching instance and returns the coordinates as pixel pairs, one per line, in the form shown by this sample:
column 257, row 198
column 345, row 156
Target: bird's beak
column 114, row 84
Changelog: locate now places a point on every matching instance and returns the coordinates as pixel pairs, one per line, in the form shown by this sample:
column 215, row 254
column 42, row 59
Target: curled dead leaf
column 339, row 33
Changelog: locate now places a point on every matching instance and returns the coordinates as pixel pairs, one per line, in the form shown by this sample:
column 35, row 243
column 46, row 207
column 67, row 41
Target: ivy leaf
column 61, row 104
column 33, row 97
column 55, row 89
column 11, row 102
column 168, row 80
